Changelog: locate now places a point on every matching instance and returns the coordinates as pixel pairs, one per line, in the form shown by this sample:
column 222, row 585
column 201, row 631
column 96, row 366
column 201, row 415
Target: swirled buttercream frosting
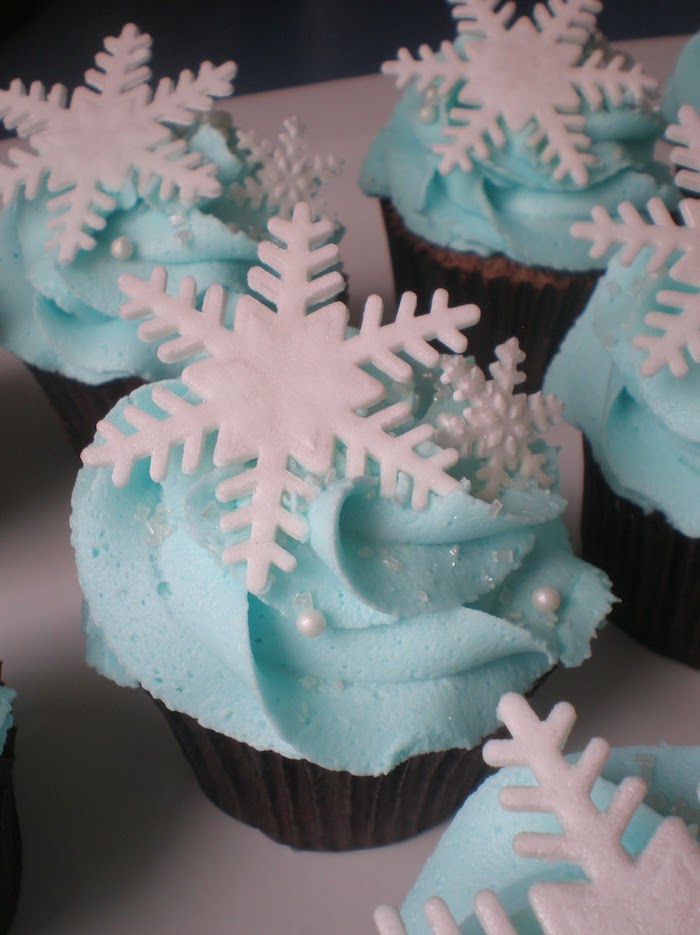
column 430, row 615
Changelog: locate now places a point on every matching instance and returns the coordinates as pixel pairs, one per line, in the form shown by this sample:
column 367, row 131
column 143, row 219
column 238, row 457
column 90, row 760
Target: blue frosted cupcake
column 10, row 853
column 500, row 142
column 629, row 374
column 620, row 857
column 355, row 560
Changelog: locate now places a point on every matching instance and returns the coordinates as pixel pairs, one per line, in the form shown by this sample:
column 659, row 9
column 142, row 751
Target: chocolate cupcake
column 630, row 377
column 329, row 646
column 501, row 140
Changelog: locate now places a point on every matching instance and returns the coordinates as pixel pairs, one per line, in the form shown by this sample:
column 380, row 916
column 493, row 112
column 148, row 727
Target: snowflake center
column 519, row 60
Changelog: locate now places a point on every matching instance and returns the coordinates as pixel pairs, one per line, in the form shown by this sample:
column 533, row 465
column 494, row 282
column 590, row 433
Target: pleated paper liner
column 654, row 569
column 80, row 406
column 308, row 807
column 534, row 304
column 10, row 847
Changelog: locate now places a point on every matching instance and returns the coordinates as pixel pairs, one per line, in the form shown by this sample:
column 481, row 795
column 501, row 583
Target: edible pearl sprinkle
column 311, row 623
column 546, row 599
column 121, row 248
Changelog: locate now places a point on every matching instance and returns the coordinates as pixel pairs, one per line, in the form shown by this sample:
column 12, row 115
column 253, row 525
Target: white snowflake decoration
column 282, row 388
column 687, row 154
column 498, row 425
column 678, row 243
column 522, row 74
column 284, row 173
column 654, row 893
column 113, row 129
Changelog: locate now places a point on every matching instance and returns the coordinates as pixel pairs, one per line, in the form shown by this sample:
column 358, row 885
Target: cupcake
column 10, row 859
column 602, row 842
column 122, row 179
column 329, row 640
column 629, row 375
column 501, row 140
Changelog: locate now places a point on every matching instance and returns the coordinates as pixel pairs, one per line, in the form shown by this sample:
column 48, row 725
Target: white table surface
column 117, row 836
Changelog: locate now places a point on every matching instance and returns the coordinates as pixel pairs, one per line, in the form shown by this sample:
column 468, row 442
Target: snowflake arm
column 681, row 333
column 444, row 69
column 564, row 144
column 267, row 483
column 567, row 20
column 154, row 438
column 410, row 333
column 483, row 18
column 440, row 919
column 481, row 130
column 175, row 315
column 193, row 94
column 600, row 81
column 687, row 154
column 634, row 232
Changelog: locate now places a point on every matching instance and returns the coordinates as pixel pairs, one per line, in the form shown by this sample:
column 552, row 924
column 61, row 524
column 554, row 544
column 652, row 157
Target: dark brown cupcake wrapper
column 534, row 304
column 308, row 807
column 10, row 847
column 80, row 406
column 654, row 569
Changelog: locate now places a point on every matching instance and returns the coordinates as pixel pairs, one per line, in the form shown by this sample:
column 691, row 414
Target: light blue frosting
column 429, row 614
column 476, row 850
column 509, row 203
column 683, row 86
column 7, row 696
column 64, row 317
column 644, row 431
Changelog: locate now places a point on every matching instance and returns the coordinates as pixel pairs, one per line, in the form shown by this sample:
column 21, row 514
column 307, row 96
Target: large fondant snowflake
column 677, row 245
column 524, row 74
column 285, row 389
column 113, row 130
column 529, row 75
column 499, row 425
column 655, row 892
column 285, row 173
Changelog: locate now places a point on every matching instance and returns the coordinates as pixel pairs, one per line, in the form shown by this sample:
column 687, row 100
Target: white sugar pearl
column 546, row 599
column 122, row 248
column 311, row 623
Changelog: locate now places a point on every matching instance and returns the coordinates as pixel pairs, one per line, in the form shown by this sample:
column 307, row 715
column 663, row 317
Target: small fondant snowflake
column 498, row 425
column 655, row 892
column 523, row 74
column 112, row 130
column 687, row 154
column 669, row 242
column 284, row 390
column 284, row 172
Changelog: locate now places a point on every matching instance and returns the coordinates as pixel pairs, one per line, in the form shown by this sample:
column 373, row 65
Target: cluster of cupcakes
column 326, row 553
